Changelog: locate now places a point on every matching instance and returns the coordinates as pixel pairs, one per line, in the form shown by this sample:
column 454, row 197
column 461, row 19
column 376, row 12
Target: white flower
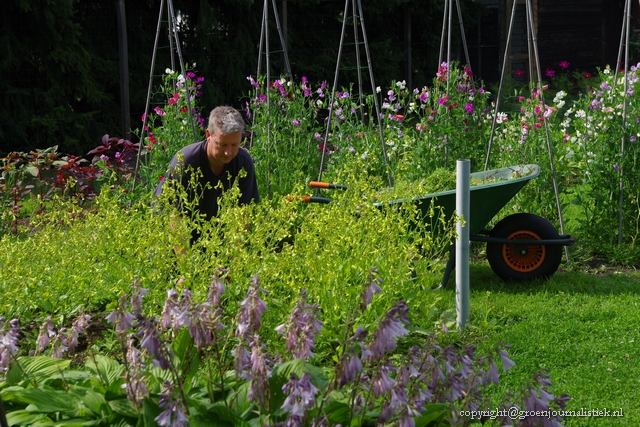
column 559, row 96
column 606, row 71
column 402, row 84
column 168, row 71
column 378, row 90
column 181, row 78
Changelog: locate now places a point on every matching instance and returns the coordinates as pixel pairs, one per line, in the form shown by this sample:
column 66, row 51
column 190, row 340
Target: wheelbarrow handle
column 308, row 199
column 319, row 184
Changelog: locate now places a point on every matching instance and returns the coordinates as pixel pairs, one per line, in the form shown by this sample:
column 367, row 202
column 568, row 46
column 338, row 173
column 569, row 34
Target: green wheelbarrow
column 520, row 247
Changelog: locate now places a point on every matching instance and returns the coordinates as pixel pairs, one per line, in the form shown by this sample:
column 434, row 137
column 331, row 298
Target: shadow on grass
column 482, row 278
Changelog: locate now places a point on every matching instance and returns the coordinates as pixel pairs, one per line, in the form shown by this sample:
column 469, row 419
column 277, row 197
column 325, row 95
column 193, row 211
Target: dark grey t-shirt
column 195, row 157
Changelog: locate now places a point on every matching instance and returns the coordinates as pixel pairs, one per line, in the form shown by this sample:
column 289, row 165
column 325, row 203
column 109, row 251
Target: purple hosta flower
column 301, row 396
column 46, row 333
column 251, row 309
column 506, row 362
column 381, row 382
column 78, row 327
column 350, row 367
column 350, row 363
column 296, row 122
column 616, row 167
column 492, row 375
column 151, row 341
column 301, row 328
column 169, row 310
column 372, row 287
column 202, row 320
column 134, row 384
column 120, row 317
column 259, row 372
column 59, row 344
column 389, row 329
column 216, row 289
column 241, row 360
column 605, row 86
column 174, row 414
column 8, row 342
column 137, row 293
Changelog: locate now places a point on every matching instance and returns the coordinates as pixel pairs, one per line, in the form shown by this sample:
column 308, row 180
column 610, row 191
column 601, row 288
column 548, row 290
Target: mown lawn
column 581, row 326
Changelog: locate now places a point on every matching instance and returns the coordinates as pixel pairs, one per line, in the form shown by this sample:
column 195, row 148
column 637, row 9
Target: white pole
column 463, row 209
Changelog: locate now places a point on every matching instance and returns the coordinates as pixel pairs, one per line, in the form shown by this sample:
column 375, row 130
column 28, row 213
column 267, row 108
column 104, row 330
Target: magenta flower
column 564, row 64
column 549, row 72
column 519, row 73
column 469, row 108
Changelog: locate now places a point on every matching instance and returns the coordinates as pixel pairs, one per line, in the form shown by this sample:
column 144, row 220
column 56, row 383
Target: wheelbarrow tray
column 486, row 200
column 520, row 247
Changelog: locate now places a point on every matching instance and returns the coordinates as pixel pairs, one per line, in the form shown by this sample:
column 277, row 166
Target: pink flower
column 519, row 73
column 564, row 64
column 549, row 72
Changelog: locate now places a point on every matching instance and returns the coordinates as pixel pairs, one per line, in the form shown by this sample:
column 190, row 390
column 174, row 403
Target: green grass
column 582, row 327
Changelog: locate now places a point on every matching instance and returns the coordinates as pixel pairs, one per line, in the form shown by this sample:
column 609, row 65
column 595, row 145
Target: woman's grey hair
column 226, row 119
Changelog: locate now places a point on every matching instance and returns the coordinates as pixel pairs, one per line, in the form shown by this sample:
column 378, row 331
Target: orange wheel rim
column 524, row 258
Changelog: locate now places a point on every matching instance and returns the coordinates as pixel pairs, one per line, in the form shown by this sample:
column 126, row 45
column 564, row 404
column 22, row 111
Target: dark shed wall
column 584, row 32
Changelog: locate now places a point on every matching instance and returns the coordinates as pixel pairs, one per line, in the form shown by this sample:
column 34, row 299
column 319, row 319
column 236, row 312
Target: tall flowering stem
column 301, row 328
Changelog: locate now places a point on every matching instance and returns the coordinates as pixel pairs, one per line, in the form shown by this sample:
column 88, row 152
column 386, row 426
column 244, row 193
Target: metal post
column 463, row 210
column 124, row 71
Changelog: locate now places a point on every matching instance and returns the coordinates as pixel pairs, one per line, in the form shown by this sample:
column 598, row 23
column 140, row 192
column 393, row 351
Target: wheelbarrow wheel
column 524, row 262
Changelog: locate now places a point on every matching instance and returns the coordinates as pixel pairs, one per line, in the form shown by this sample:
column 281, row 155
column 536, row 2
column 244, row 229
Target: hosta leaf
column 14, row 375
column 338, row 413
column 218, row 415
column 123, row 407
column 45, row 401
column 42, row 366
column 24, row 418
column 106, row 368
column 93, row 401
column 71, row 422
column 433, row 415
